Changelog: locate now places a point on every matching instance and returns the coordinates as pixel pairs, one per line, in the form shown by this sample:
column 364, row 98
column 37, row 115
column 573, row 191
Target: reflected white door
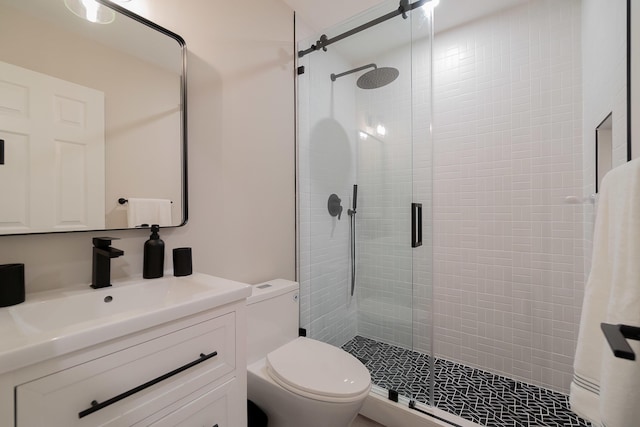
column 53, row 178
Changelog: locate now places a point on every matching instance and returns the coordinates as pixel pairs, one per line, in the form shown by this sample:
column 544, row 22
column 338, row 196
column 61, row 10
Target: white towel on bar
column 606, row 389
column 148, row 211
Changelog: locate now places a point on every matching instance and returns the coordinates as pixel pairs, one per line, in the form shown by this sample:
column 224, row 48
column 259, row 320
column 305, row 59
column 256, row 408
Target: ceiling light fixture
column 91, row 10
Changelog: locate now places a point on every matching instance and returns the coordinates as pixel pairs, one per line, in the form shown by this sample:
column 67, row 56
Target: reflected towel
column 605, row 389
column 148, row 211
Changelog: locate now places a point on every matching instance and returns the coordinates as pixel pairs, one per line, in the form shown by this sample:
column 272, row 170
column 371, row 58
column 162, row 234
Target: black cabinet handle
column 95, row 406
column 416, row 225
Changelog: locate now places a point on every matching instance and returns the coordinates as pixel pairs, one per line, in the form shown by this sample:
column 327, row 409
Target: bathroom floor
column 478, row 396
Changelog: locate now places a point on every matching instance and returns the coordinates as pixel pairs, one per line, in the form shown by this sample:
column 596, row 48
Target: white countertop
column 53, row 323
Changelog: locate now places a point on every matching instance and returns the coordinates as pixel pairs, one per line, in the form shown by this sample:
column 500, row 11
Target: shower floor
column 478, row 396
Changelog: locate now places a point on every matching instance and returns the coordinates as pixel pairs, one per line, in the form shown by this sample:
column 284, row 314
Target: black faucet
column 102, row 254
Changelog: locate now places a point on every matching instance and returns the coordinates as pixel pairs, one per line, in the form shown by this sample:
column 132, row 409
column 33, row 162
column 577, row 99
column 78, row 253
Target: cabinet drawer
column 210, row 409
column 127, row 386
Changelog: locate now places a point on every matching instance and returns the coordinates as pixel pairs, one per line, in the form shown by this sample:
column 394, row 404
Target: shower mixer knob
column 334, row 206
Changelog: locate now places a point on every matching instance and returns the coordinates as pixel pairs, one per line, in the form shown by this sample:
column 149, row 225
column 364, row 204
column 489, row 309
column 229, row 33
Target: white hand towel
column 148, row 211
column 605, row 389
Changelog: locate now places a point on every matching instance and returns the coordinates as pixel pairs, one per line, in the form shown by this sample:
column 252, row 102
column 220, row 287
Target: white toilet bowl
column 308, row 383
column 297, row 381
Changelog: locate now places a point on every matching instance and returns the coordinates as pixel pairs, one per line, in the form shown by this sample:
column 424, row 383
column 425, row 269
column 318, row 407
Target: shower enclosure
column 455, row 272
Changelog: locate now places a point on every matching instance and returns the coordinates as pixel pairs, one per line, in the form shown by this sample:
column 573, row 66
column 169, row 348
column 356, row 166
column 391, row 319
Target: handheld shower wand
column 352, row 227
column 355, row 197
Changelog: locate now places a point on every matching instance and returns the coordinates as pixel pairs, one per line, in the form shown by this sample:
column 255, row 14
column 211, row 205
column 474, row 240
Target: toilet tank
column 273, row 311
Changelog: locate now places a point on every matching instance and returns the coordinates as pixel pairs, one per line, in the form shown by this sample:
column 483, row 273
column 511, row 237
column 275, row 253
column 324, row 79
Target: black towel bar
column 122, row 200
column 617, row 336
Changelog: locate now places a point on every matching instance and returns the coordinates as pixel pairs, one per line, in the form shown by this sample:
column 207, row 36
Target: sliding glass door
column 365, row 194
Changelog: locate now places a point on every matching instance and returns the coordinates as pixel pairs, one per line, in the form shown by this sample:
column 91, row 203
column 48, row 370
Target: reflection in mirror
column 604, row 149
column 89, row 113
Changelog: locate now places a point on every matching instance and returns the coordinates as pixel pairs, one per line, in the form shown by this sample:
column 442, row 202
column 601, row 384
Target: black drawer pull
column 95, row 406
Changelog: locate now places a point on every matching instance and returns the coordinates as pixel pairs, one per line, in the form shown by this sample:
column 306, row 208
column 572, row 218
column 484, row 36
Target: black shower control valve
column 334, row 206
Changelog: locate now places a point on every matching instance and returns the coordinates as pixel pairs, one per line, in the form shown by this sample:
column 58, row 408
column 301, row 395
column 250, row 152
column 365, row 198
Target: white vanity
column 161, row 352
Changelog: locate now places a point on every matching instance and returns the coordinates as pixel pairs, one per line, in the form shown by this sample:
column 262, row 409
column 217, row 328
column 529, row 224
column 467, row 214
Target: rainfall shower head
column 377, row 77
column 373, row 79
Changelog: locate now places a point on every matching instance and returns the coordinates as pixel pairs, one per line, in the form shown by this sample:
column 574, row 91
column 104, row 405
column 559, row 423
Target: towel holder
column 122, row 200
column 617, row 336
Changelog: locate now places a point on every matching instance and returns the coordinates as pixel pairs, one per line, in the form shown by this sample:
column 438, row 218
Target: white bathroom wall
column 241, row 153
column 508, row 239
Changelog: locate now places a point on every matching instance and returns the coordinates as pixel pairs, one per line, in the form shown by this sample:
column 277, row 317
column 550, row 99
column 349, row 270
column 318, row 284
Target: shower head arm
column 355, row 70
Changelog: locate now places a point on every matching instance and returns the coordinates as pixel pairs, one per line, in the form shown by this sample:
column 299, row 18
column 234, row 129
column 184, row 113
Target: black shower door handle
column 416, row 225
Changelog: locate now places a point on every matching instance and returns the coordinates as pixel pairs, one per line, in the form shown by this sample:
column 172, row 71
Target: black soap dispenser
column 153, row 266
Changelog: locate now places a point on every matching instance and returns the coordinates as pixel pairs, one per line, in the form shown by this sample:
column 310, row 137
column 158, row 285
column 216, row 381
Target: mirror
column 89, row 114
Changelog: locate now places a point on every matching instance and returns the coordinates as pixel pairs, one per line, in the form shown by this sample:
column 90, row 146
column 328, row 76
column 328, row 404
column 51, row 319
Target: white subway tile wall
column 508, row 248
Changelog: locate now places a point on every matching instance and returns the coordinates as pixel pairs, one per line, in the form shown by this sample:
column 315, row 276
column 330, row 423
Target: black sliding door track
column 324, row 41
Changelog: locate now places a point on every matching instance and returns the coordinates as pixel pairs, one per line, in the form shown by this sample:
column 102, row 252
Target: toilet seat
column 318, row 371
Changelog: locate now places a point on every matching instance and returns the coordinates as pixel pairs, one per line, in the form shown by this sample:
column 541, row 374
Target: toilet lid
column 319, row 369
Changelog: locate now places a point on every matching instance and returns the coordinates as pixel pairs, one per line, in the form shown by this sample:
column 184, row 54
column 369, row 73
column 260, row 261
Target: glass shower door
column 364, row 120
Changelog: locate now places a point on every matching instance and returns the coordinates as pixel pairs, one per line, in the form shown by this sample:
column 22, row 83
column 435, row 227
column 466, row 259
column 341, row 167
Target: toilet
column 298, row 381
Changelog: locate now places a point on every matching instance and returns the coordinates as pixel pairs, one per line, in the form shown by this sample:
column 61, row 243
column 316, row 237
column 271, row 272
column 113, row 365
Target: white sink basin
column 50, row 324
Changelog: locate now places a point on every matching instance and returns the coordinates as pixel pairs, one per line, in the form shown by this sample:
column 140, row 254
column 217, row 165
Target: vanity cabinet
column 183, row 373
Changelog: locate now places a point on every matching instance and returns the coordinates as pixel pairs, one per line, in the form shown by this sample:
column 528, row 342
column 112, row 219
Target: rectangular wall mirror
column 92, row 116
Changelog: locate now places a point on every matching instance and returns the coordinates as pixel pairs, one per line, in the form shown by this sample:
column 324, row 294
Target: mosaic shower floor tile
column 476, row 395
